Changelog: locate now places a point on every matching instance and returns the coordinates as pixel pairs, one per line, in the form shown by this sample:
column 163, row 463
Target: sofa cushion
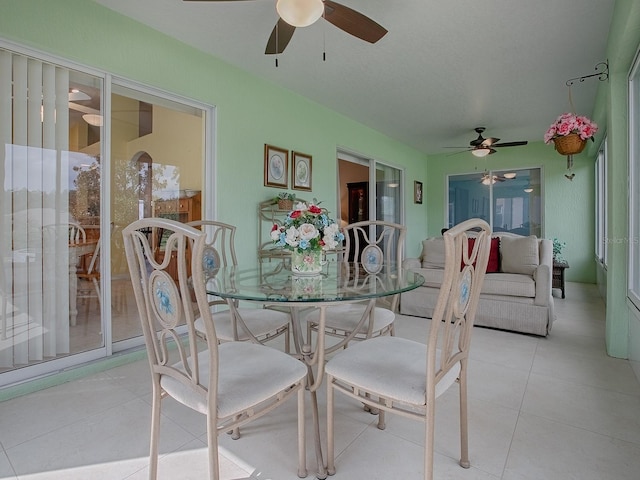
column 510, row 284
column 432, row 276
column 433, row 253
column 519, row 254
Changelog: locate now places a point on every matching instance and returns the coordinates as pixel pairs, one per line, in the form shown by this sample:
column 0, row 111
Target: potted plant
column 557, row 250
column 570, row 133
column 285, row 200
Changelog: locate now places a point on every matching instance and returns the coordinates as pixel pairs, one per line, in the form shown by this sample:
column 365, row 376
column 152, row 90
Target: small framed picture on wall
column 417, row 192
column 301, row 171
column 276, row 162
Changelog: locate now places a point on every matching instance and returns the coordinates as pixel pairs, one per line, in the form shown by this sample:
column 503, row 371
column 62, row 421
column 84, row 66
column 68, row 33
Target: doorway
column 357, row 178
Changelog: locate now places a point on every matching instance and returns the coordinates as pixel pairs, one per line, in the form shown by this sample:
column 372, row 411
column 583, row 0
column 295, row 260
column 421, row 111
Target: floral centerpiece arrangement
column 570, row 132
column 307, row 231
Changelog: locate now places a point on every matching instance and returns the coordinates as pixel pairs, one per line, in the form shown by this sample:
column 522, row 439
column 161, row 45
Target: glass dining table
column 271, row 284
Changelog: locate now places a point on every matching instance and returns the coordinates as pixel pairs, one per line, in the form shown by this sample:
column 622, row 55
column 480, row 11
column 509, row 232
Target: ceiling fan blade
column 280, row 35
column 488, row 142
column 509, row 144
column 353, row 22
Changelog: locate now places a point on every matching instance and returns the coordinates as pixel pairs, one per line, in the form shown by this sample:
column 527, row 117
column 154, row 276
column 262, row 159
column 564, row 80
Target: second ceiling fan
column 302, row 13
column 481, row 147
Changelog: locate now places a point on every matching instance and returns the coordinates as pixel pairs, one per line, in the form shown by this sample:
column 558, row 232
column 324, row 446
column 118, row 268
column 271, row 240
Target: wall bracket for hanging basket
column 602, row 72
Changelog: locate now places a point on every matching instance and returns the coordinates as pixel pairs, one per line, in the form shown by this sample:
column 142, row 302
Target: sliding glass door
column 50, row 131
column 157, row 169
column 509, row 200
column 68, row 190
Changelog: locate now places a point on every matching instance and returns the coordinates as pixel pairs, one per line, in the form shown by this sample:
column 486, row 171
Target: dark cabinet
column 358, row 201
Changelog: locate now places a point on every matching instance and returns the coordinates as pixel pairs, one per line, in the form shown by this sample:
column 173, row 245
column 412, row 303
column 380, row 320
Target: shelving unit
column 269, row 214
column 185, row 209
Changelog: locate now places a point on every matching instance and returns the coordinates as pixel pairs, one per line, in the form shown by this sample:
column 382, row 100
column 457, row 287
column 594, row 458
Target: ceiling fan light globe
column 528, row 189
column 510, row 175
column 481, row 152
column 93, row 119
column 300, row 13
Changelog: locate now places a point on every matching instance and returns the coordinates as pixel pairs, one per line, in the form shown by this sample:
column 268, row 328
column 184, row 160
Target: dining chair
column 404, row 376
column 236, row 324
column 89, row 278
column 77, row 234
column 373, row 245
column 231, row 383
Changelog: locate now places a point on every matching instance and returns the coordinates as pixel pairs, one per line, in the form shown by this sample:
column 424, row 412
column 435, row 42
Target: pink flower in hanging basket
column 568, row 124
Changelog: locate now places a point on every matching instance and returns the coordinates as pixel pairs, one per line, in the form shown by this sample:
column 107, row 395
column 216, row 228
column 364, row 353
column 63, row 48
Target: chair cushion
column 248, row 374
column 259, row 321
column 391, row 367
column 346, row 317
column 519, row 254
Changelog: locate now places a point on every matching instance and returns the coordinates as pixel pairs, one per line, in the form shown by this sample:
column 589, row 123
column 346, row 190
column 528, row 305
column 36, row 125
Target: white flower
column 330, row 235
column 275, row 235
column 301, row 206
column 292, row 237
column 308, row 231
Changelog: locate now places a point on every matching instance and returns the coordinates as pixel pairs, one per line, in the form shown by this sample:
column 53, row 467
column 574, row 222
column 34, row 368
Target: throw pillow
column 493, row 265
column 433, row 252
column 519, row 254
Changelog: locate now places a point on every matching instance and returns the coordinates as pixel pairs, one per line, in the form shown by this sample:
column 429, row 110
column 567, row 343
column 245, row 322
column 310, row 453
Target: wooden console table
column 557, row 280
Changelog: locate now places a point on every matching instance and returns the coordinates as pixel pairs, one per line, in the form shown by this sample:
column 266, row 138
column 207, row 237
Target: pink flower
column 569, row 123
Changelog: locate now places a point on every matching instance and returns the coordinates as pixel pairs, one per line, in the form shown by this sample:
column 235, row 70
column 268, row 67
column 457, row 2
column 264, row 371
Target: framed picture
column 276, row 162
column 301, row 171
column 417, row 192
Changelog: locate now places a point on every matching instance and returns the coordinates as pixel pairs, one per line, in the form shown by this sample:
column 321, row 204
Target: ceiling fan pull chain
column 277, row 44
column 324, row 40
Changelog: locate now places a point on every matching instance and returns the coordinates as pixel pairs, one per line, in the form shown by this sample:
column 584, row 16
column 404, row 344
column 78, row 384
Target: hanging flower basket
column 570, row 133
column 570, row 144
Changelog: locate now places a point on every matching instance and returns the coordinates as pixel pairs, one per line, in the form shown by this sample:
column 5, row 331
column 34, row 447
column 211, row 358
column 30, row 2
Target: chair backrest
column 220, row 243
column 165, row 304
column 77, row 233
column 374, row 243
column 450, row 332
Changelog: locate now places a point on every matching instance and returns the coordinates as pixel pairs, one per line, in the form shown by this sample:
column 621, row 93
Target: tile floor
column 551, row 408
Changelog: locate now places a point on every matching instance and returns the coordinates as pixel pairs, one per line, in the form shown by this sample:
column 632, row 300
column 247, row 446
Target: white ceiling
column 444, row 68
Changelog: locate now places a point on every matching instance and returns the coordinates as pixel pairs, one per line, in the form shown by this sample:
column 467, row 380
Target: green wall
column 250, row 112
column 622, row 327
column 568, row 205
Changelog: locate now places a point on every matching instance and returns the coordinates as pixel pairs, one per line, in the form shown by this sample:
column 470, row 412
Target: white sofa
column 515, row 296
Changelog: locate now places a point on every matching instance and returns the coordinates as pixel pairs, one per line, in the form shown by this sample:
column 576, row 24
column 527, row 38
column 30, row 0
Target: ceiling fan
column 302, row 13
column 481, row 147
column 488, row 178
